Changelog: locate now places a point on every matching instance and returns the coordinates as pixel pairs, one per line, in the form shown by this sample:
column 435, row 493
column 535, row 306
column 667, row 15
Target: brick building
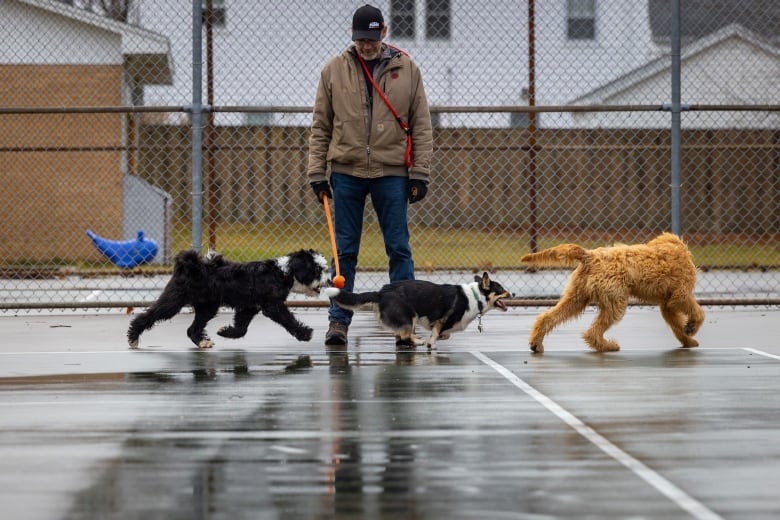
column 65, row 172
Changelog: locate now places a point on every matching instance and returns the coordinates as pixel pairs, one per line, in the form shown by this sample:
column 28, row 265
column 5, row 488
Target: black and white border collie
column 208, row 283
column 440, row 308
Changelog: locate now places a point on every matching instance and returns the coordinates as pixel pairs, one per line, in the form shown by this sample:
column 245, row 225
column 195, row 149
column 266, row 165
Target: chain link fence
column 553, row 123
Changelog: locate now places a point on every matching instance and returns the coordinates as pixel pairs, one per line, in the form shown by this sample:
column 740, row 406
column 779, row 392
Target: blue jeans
column 389, row 198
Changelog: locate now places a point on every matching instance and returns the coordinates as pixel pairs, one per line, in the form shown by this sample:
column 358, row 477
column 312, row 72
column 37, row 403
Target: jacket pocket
column 348, row 145
column 388, row 142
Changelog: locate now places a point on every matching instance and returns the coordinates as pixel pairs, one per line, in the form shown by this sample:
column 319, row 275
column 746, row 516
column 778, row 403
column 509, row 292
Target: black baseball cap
column 367, row 23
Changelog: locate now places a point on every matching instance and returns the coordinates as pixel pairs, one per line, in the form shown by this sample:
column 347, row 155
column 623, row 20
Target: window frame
column 403, row 19
column 428, row 20
column 218, row 13
column 581, row 20
column 438, row 13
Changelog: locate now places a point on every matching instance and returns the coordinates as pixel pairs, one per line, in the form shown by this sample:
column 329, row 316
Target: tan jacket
column 353, row 139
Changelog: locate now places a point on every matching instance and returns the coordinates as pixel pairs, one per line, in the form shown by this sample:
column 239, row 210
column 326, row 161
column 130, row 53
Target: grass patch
column 447, row 248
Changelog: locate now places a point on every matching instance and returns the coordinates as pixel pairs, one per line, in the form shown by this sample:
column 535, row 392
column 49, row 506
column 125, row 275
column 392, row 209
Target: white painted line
column 288, row 449
column 761, row 353
column 663, row 486
column 287, row 436
column 131, row 351
column 152, row 349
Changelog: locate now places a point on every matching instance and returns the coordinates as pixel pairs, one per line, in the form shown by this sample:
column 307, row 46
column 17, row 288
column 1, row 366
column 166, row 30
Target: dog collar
column 479, row 300
column 479, row 306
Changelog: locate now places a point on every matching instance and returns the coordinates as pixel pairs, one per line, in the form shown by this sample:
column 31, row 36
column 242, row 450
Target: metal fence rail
column 562, row 133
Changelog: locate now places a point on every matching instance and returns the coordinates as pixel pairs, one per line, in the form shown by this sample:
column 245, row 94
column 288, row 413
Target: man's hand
column 417, row 190
column 321, row 189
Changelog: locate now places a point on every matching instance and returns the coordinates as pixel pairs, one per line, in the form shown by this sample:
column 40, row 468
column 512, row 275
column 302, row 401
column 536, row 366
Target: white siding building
column 472, row 54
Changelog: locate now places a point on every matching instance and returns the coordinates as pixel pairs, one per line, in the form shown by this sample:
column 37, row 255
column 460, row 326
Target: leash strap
column 408, row 156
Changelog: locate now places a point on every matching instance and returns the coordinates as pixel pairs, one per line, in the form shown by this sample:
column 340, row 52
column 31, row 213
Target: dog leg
column 165, row 308
column 695, row 317
column 241, row 320
column 407, row 338
column 280, row 313
column 435, row 331
column 197, row 330
column 609, row 313
column 676, row 321
column 570, row 306
column 684, row 317
column 417, row 340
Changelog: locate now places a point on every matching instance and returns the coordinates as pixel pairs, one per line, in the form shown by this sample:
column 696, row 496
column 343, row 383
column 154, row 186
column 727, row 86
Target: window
column 581, row 19
column 437, row 20
column 402, row 19
column 218, row 13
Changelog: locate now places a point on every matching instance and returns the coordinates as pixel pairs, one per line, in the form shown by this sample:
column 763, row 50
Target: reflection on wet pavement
column 371, row 431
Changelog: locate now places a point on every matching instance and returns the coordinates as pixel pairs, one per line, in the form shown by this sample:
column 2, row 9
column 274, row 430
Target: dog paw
column 205, row 343
column 133, row 343
column 229, row 331
column 690, row 343
column 606, row 346
column 536, row 347
column 304, row 334
column 404, row 342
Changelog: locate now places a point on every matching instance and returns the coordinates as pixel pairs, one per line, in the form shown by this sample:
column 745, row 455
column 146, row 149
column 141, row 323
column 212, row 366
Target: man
column 357, row 140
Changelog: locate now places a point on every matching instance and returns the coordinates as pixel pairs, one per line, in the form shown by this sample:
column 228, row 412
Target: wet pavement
column 480, row 428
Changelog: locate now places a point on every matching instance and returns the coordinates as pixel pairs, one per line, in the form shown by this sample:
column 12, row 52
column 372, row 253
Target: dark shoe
column 337, row 334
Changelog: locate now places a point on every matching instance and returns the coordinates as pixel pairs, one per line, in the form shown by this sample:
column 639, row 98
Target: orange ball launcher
column 338, row 280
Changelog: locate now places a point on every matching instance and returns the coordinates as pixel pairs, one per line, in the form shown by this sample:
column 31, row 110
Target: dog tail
column 353, row 301
column 214, row 259
column 564, row 255
column 188, row 264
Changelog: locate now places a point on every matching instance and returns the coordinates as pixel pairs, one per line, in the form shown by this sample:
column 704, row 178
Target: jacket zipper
column 370, row 101
column 370, row 108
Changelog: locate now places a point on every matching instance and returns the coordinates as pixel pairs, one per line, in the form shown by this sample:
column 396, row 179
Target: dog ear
column 302, row 267
column 485, row 281
column 294, row 266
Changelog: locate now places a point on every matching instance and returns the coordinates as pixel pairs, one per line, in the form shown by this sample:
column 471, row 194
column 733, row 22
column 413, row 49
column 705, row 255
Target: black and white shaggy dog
column 208, row 283
column 440, row 308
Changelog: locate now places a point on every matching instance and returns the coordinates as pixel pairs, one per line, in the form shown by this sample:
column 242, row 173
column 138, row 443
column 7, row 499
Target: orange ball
column 338, row 281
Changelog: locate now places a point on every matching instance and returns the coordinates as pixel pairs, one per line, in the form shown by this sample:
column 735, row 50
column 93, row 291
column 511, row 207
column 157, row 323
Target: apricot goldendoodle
column 660, row 272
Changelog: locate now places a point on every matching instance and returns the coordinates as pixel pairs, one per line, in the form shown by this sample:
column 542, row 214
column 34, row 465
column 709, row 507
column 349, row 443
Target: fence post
column 197, row 124
column 676, row 120
column 533, row 231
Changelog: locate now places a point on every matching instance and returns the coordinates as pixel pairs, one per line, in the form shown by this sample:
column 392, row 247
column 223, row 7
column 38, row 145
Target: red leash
column 409, row 156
